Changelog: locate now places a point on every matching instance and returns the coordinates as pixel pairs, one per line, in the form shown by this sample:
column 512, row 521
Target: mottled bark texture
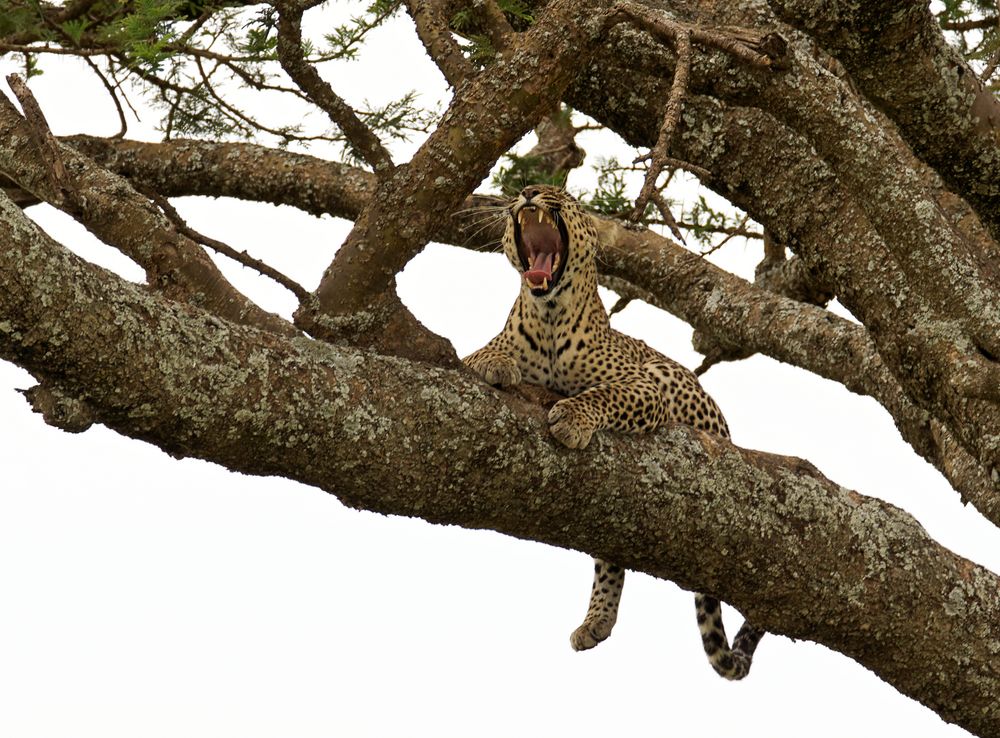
column 870, row 154
column 640, row 264
column 797, row 553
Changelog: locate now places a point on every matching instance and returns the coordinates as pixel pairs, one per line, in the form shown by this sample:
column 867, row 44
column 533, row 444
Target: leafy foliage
column 704, row 222
column 345, row 40
column 611, row 196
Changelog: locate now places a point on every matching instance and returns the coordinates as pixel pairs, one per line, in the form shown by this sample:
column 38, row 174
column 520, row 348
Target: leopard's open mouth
column 542, row 245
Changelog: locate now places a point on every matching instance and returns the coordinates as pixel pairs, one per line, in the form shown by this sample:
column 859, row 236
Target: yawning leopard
column 558, row 335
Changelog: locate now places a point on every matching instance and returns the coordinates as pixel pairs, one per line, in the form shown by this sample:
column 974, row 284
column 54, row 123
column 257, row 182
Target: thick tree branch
column 897, row 55
column 774, row 174
column 650, row 267
column 815, row 560
column 432, row 28
column 182, row 167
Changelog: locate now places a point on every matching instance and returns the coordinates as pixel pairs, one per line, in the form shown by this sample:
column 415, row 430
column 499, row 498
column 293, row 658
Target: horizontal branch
column 814, row 560
column 713, row 301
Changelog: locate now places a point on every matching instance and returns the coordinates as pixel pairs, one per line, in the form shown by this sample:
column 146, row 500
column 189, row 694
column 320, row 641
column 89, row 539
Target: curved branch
column 815, row 560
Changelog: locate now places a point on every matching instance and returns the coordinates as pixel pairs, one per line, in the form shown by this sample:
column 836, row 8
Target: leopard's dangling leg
column 731, row 663
column 603, row 611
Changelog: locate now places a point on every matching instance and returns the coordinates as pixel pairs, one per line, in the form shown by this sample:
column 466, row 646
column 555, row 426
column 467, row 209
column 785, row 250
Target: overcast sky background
column 145, row 596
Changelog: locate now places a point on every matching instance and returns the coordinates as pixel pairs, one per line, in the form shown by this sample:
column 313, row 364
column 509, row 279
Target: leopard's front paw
column 571, row 424
column 590, row 634
column 496, row 368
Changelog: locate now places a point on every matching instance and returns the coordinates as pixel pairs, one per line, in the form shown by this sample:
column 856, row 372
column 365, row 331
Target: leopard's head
column 547, row 238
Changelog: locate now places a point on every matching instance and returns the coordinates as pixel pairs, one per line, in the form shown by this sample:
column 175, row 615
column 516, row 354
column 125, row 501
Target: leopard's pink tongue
column 541, row 270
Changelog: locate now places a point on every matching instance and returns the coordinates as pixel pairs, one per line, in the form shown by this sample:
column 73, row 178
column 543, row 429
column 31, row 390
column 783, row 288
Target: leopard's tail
column 731, row 663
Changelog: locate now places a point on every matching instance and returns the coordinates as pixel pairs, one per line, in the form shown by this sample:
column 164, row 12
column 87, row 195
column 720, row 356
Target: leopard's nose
column 531, row 191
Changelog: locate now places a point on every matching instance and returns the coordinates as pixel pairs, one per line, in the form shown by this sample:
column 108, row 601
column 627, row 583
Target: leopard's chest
column 570, row 362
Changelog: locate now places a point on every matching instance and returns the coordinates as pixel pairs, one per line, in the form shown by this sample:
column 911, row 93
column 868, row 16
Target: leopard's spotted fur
column 558, row 335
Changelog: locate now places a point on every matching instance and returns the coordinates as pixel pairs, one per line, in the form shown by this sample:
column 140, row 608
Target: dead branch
column 668, row 218
column 360, row 137
column 671, row 116
column 45, row 143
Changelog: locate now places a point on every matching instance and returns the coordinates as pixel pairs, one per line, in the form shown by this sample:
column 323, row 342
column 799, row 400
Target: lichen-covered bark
column 898, row 56
column 841, row 166
column 644, row 265
column 797, row 553
column 927, row 339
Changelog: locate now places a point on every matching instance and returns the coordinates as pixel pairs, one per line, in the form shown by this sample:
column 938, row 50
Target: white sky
column 147, row 596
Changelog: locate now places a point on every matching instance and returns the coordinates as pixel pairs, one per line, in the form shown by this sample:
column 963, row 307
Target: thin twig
column 971, row 25
column 48, row 148
column 123, row 124
column 671, row 162
column 240, row 256
column 668, row 218
column 765, row 50
column 726, row 230
column 671, row 117
column 729, row 237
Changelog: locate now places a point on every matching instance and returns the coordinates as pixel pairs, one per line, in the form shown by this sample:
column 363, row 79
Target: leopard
column 558, row 335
